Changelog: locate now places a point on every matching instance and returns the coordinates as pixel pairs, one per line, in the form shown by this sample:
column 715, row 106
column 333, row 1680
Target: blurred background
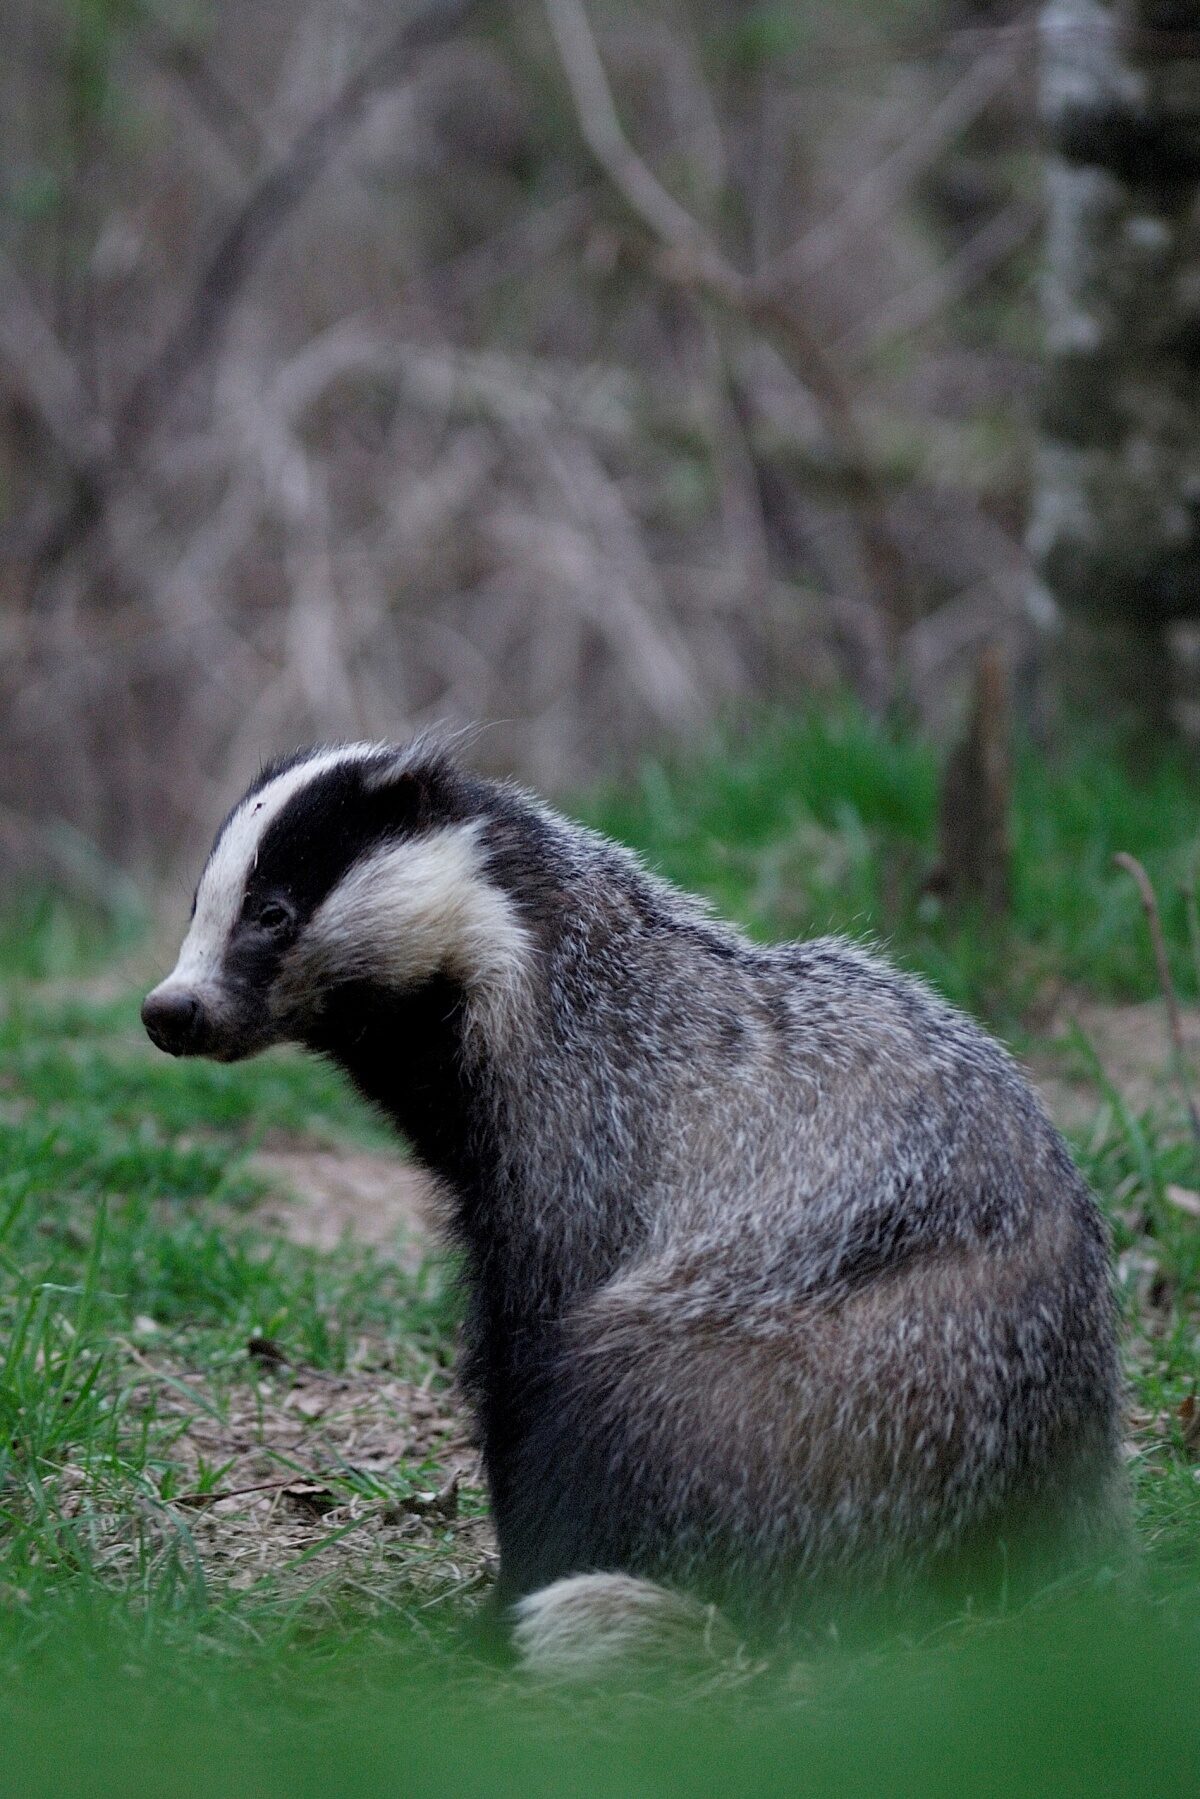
column 581, row 368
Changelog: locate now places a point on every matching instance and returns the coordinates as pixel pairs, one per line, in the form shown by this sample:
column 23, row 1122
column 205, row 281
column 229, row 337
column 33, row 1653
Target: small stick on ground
column 1149, row 898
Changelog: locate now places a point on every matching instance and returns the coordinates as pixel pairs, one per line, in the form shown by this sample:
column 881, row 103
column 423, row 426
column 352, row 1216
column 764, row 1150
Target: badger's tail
column 596, row 1627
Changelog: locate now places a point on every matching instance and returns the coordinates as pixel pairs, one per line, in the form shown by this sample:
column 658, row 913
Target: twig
column 47, row 377
column 218, row 1494
column 515, row 249
column 601, row 128
column 1149, row 899
column 231, row 125
column 979, row 257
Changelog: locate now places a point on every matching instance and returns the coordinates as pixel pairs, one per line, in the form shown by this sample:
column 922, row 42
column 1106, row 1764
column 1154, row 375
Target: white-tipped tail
column 589, row 1626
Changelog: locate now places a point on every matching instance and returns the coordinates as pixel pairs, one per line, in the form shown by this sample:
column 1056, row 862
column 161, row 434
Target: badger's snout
column 175, row 1021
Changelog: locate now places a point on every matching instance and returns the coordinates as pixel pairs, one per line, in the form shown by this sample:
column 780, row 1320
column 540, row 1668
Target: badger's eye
column 271, row 915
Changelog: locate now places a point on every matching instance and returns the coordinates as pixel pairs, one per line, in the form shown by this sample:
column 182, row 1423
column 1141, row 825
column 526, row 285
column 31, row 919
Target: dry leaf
column 309, row 1403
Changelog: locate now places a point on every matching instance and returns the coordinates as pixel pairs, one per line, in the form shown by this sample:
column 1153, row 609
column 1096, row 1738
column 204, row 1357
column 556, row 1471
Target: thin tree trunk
column 1115, row 528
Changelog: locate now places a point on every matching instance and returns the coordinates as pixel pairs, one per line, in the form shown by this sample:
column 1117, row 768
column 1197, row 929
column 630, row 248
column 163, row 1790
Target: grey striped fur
column 782, row 1288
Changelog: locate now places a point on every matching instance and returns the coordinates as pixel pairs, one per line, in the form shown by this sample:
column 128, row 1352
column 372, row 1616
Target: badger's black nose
column 173, row 1021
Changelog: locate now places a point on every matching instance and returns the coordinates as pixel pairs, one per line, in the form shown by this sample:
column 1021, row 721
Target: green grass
column 135, row 1275
column 1094, row 1704
column 827, row 822
column 132, row 1280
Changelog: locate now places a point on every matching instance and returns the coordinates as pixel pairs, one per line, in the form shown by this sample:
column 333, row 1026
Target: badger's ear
column 410, row 794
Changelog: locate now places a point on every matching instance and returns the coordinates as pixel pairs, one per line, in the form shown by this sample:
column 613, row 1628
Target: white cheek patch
column 223, row 883
column 414, row 909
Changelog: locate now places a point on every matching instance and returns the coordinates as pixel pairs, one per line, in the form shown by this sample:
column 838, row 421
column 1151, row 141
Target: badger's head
column 363, row 865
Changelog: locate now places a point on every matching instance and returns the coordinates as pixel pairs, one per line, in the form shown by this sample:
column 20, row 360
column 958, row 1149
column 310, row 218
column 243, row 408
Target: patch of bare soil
column 301, row 1464
column 320, row 1196
column 1132, row 1046
column 290, row 1480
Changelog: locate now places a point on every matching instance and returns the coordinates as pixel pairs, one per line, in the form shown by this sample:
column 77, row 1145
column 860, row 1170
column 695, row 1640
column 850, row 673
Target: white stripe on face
column 410, row 910
column 223, row 884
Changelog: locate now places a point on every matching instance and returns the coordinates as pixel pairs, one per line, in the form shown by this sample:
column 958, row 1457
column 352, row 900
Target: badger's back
column 863, row 1332
column 838, row 1311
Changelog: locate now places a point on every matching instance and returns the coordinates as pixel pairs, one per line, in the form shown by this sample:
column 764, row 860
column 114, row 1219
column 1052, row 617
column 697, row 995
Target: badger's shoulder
column 585, row 892
column 848, row 988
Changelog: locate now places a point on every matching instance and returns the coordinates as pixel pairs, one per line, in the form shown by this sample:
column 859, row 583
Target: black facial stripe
column 343, row 815
column 250, row 965
column 279, row 765
column 323, row 829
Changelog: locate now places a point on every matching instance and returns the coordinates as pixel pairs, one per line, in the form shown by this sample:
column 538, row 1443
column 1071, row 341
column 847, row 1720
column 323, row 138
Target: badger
column 781, row 1287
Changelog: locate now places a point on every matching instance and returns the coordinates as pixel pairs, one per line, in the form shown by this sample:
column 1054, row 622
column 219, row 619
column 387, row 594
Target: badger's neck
column 406, row 1054
column 517, row 1124
column 538, row 1228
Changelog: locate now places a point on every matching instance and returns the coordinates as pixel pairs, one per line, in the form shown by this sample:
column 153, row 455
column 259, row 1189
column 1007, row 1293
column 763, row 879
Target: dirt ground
column 1132, row 1046
column 299, row 1462
column 319, row 1196
column 289, row 1479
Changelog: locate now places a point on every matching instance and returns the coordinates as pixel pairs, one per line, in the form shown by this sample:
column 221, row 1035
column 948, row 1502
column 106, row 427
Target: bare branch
column 232, row 126
column 695, row 261
column 881, row 190
column 514, row 250
column 266, row 209
column 45, row 375
column 1006, row 232
column 1192, row 908
column 601, row 129
column 254, row 225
